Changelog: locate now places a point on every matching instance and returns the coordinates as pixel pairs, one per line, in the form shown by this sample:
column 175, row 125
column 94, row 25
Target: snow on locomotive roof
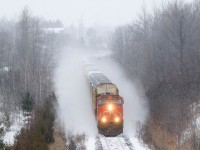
column 96, row 78
column 91, row 72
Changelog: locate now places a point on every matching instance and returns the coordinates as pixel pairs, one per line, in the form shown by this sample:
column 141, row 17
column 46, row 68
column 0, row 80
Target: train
column 107, row 104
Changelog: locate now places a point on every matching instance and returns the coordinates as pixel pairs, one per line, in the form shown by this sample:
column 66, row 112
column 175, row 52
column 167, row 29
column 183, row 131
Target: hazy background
column 89, row 12
column 156, row 53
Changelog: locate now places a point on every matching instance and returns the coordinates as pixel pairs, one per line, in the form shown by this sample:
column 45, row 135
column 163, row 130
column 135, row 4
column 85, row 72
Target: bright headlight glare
column 117, row 119
column 110, row 107
column 103, row 119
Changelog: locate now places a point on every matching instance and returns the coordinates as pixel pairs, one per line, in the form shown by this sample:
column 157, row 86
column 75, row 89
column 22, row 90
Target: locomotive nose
column 112, row 117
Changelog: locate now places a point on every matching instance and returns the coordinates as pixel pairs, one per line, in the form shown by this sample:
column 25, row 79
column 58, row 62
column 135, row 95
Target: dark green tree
column 6, row 120
column 40, row 131
column 1, row 138
column 27, row 102
column 49, row 118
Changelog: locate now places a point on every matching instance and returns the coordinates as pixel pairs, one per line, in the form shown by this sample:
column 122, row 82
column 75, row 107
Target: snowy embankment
column 137, row 144
column 115, row 143
column 16, row 121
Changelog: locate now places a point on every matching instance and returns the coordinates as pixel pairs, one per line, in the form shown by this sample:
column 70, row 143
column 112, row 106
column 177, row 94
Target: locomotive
column 106, row 102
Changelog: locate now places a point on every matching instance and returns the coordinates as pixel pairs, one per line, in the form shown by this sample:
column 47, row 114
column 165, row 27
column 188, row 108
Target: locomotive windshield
column 118, row 101
column 102, row 102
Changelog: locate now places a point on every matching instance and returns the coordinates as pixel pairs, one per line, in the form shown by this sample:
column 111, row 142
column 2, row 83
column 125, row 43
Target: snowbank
column 137, row 145
column 17, row 122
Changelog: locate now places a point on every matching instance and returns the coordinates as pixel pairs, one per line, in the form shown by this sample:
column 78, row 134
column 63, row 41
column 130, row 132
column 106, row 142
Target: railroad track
column 122, row 144
column 114, row 143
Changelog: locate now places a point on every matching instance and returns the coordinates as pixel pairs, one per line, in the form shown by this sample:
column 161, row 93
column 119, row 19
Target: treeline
column 27, row 62
column 28, row 53
column 162, row 49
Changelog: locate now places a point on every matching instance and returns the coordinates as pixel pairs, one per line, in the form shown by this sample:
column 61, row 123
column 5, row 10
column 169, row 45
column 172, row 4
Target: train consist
column 106, row 102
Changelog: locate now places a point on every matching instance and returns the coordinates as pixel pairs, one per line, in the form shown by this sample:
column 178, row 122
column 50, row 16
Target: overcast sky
column 91, row 12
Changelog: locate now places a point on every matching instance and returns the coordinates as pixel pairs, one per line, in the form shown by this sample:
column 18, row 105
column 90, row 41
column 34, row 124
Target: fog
column 72, row 89
column 73, row 94
column 88, row 12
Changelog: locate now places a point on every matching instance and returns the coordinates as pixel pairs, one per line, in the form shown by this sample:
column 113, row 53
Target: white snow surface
column 90, row 143
column 114, row 143
column 120, row 142
column 138, row 145
column 198, row 122
column 4, row 69
column 10, row 135
column 186, row 135
column 17, row 122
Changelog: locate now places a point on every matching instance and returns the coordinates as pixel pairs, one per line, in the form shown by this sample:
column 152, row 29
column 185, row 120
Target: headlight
column 110, row 107
column 104, row 119
column 117, row 119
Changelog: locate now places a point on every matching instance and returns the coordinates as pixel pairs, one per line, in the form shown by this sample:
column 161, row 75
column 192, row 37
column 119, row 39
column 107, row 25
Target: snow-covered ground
column 115, row 143
column 137, row 144
column 120, row 142
column 17, row 122
column 194, row 125
column 90, row 143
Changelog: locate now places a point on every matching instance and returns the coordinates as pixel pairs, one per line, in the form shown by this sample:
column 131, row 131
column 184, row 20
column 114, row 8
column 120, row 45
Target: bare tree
column 162, row 50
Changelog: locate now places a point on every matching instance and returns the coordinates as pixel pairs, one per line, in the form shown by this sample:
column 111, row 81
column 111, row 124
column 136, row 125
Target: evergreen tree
column 49, row 117
column 27, row 102
column 1, row 138
column 40, row 132
column 6, row 120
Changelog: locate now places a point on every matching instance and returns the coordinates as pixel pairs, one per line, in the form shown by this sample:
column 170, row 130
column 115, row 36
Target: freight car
column 106, row 102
